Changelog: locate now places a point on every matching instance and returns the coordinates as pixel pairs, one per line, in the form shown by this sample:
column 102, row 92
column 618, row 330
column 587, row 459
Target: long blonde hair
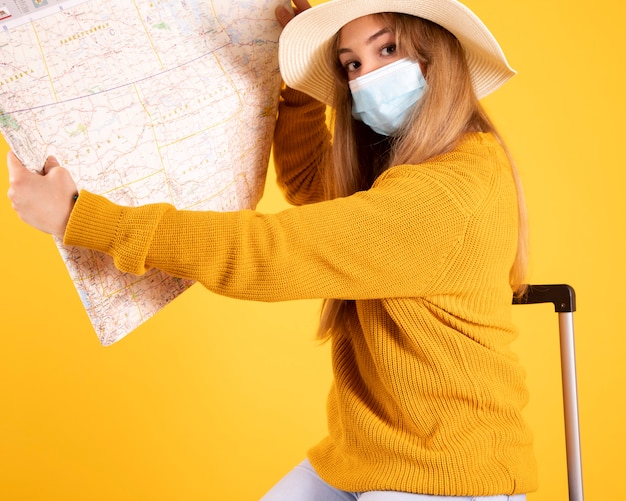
column 448, row 110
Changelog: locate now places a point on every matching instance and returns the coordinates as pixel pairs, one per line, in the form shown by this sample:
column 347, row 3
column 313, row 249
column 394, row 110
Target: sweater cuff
column 93, row 223
column 294, row 98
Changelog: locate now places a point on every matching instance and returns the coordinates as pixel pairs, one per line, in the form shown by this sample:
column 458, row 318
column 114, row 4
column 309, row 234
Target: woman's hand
column 44, row 200
column 284, row 15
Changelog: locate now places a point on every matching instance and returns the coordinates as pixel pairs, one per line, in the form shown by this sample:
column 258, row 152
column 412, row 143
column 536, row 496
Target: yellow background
column 217, row 399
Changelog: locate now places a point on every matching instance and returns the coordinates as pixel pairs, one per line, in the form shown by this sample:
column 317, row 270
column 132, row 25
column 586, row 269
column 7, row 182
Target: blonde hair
column 448, row 110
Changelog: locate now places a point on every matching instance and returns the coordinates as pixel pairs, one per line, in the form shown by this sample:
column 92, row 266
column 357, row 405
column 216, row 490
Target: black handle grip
column 561, row 295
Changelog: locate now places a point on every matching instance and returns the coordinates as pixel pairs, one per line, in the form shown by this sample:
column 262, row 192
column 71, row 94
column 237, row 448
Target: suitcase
column 563, row 298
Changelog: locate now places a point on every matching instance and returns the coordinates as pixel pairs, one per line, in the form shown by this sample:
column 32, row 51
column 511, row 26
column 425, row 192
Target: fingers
column 43, row 201
column 301, row 5
column 19, row 176
column 284, row 15
column 51, row 163
column 16, row 168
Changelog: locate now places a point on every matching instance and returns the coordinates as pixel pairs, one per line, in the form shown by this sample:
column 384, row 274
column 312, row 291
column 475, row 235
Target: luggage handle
column 563, row 297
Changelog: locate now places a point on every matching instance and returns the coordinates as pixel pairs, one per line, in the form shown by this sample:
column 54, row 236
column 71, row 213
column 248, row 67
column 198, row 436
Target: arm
column 390, row 241
column 301, row 147
column 301, row 138
column 418, row 224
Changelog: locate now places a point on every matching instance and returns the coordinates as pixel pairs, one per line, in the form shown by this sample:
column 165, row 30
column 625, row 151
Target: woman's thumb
column 51, row 163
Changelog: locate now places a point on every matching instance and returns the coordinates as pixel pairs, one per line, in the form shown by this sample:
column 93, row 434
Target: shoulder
column 477, row 156
column 474, row 153
column 477, row 167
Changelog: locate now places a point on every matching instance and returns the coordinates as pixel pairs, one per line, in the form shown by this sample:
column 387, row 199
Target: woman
column 409, row 224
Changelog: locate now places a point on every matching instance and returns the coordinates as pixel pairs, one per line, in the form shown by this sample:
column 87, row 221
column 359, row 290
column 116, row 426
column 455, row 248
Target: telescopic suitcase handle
column 561, row 295
column 563, row 298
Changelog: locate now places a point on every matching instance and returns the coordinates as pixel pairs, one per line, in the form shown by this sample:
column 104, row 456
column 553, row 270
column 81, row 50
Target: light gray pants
column 303, row 484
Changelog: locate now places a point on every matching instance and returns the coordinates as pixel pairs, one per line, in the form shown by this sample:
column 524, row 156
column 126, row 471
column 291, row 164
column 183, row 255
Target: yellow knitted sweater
column 427, row 396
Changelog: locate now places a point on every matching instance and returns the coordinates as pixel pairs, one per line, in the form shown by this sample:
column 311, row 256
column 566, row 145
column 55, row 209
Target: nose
column 368, row 67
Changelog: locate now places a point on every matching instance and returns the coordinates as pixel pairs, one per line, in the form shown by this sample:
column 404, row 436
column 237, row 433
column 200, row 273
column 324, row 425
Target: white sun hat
column 304, row 41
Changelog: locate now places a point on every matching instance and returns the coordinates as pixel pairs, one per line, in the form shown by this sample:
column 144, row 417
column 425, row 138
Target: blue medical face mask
column 384, row 97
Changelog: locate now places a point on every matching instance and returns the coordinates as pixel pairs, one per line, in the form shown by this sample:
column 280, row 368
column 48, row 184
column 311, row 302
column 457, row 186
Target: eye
column 388, row 50
column 351, row 66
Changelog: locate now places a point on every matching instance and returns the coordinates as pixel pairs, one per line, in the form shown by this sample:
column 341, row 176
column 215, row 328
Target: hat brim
column 304, row 41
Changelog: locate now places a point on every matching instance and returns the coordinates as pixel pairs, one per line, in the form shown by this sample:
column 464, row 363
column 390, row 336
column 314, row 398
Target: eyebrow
column 369, row 40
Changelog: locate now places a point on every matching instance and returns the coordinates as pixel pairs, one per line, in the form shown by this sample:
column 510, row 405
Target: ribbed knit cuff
column 93, row 223
column 295, row 98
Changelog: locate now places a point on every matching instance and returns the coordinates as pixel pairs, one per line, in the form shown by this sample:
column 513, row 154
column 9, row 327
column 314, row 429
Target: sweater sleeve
column 390, row 241
column 301, row 147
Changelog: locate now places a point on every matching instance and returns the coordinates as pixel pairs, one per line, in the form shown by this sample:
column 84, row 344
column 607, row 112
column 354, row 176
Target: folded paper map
column 143, row 101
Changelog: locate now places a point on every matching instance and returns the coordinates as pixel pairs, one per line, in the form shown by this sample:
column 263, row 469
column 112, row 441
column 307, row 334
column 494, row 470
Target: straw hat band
column 304, row 40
